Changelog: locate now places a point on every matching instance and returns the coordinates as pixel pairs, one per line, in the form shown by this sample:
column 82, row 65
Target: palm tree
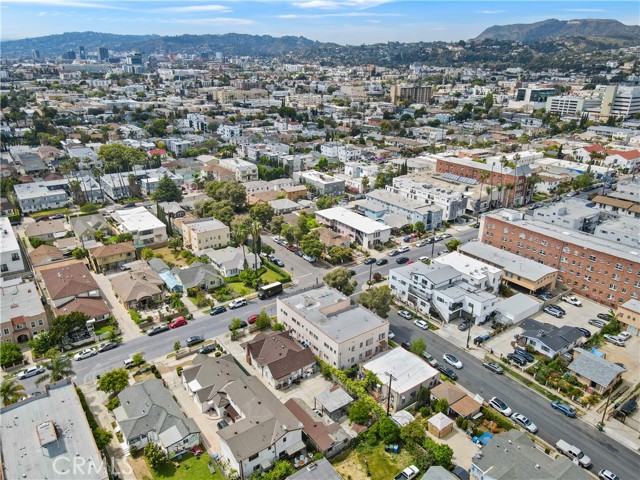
column 10, row 391
column 508, row 187
column 500, row 188
column 489, row 190
column 59, row 367
column 76, row 192
column 240, row 226
column 255, row 229
column 483, row 176
column 96, row 173
column 133, row 185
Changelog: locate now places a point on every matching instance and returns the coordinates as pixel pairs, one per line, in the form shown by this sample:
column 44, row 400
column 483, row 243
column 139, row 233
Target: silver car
column 31, row 372
column 523, row 421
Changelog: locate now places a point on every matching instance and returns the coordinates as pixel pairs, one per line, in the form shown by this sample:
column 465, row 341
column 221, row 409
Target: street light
column 370, row 271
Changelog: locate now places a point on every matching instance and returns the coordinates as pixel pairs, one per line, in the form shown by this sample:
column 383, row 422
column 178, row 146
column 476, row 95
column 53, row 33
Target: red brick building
column 603, row 271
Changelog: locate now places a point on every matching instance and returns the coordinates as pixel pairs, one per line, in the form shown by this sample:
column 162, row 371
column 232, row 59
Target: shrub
column 135, row 316
column 179, row 370
column 113, row 403
column 496, row 418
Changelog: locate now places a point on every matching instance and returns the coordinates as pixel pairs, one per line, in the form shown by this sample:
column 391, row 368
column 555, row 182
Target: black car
column 194, row 340
column 207, row 349
column 352, row 272
column 478, row 340
column 515, row 358
column 130, row 205
column 524, row 354
column 108, row 346
column 42, row 219
column 604, row 316
column 369, row 260
column 406, row 345
column 217, row 310
column 585, row 332
column 382, row 261
column 157, row 329
column 446, row 371
column 242, row 325
column 57, row 216
column 464, row 325
column 402, row 260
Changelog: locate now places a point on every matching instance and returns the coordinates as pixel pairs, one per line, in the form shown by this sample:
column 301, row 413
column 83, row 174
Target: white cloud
column 373, row 21
column 212, row 21
column 322, row 4
column 196, row 8
column 338, row 15
column 491, row 12
column 336, row 4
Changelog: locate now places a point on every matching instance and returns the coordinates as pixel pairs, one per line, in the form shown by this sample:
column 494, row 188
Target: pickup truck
column 408, row 473
column 574, row 453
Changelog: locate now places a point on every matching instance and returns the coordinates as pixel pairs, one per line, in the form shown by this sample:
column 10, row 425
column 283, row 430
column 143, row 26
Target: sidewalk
column 127, row 326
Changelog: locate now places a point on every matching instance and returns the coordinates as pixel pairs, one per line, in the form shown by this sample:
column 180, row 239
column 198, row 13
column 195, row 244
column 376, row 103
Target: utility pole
column 391, row 377
column 469, row 329
column 604, row 412
column 370, row 271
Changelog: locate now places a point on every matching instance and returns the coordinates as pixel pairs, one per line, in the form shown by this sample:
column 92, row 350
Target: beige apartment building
column 205, row 233
column 339, row 332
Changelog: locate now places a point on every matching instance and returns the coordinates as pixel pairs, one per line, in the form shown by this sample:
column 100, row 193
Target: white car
column 30, row 372
column 421, row 324
column 423, row 258
column 523, row 421
column 86, row 353
column 452, row 360
column 429, row 358
column 404, row 249
column 607, row 475
column 408, row 473
column 615, row 340
column 422, row 243
column 391, row 335
column 624, row 336
column 237, row 303
column 500, row 406
column 404, row 314
column 571, row 300
column 309, row 258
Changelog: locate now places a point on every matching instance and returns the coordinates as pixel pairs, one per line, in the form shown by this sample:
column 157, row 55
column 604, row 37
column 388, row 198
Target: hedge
column 497, row 418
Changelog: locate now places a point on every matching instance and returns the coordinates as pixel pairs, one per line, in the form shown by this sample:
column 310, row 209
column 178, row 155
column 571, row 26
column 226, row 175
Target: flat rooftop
column 20, row 300
column 352, row 219
column 136, row 219
column 408, row 369
column 205, row 225
column 400, row 201
column 33, row 449
column 8, row 240
column 467, row 266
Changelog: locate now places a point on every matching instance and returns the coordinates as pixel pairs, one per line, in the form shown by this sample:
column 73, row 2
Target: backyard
column 382, row 465
column 190, row 468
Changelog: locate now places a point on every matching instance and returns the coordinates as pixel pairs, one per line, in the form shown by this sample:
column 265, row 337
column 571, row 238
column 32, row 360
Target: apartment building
column 629, row 315
column 603, row 271
column 535, row 95
column 34, row 197
column 476, row 273
column 145, row 227
column 244, row 171
column 359, row 229
column 325, row 320
column 453, row 203
column 571, row 105
column 22, row 314
column 116, row 185
column 415, row 210
column 572, row 213
column 619, row 100
column 409, row 94
column 323, row 183
column 178, row 145
column 205, row 233
column 10, row 254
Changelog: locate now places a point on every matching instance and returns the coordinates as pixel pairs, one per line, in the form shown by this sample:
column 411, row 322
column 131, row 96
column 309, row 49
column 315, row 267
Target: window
column 15, row 257
column 592, row 258
column 618, row 266
column 4, row 268
column 253, row 457
column 613, row 286
column 589, row 268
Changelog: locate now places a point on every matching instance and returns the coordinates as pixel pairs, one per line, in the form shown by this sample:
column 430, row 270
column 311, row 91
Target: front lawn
column 191, row 468
column 55, row 211
column 269, row 276
column 240, row 288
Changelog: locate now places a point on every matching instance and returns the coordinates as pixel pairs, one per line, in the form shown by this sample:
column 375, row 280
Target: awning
column 294, row 448
column 265, row 464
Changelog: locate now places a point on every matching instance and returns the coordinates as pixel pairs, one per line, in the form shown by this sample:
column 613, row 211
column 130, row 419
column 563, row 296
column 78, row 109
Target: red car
column 252, row 318
column 177, row 322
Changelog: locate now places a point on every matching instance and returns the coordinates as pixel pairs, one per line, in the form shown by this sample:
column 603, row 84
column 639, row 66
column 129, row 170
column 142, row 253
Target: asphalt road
column 603, row 451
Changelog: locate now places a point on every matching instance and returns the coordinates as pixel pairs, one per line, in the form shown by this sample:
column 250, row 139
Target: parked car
column 157, row 329
column 86, row 353
column 500, row 406
column 423, row 258
column 604, row 316
column 597, row 323
column 523, row 353
column 31, row 372
column 571, row 299
column 194, row 340
column 393, row 253
column 108, row 346
column 452, row 360
column 391, row 335
column 404, row 249
column 624, row 336
column 218, row 310
column 443, row 252
column 607, row 475
column 242, row 325
column 421, row 324
column 430, row 359
column 614, row 339
column 252, row 318
column 523, row 421
column 369, row 260
column 563, row 408
column 207, row 349
column 464, row 325
column 177, row 322
column 382, row 261
column 406, row 239
column 421, row 243
column 308, row 258
column 278, row 262
column 42, row 219
column 57, row 216
column 558, row 307
column 128, row 363
column 402, row 260
column 237, row 303
column 130, row 205
column 515, row 358
column 406, row 345
column 494, row 367
column 404, row 314
column 553, row 311
column 408, row 473
column 447, row 372
column 585, row 332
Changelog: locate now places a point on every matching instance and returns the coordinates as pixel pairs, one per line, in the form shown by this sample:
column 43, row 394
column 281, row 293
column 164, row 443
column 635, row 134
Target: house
column 44, row 255
column 623, row 160
column 460, row 404
column 205, row 233
column 55, row 439
column 96, row 310
column 338, row 332
column 329, row 238
column 318, row 469
column 325, row 435
column 478, row 274
column 218, row 172
column 85, row 226
column 295, row 193
column 548, row 339
column 22, row 314
column 523, row 460
column 596, row 373
column 145, row 227
column 284, row 205
column 409, row 373
column 67, row 281
column 112, row 256
column 47, row 231
column 629, row 315
column 149, row 413
column 334, row 403
column 440, row 288
column 137, row 289
column 244, row 171
column 279, row 359
column 11, row 261
column 362, row 230
column 229, row 261
column 197, row 275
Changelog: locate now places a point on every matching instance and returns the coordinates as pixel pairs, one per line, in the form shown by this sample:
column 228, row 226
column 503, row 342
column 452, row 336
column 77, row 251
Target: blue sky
column 341, row 21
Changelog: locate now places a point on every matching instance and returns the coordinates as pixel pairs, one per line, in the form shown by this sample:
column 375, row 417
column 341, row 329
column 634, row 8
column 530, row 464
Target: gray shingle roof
column 556, row 338
column 594, row 368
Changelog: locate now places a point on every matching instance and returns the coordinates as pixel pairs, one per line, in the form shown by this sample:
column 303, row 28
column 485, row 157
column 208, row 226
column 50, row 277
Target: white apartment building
column 205, row 233
column 453, row 203
column 571, row 105
column 338, row 332
column 145, row 227
column 229, row 131
column 619, row 100
column 440, row 288
column 360, row 229
column 622, row 230
column 10, row 254
column 478, row 274
column 323, row 183
column 34, row 197
column 245, row 171
column 178, row 145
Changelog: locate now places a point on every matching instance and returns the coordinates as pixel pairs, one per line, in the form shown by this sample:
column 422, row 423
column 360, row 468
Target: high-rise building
column 134, row 59
column 70, row 55
column 103, row 54
column 534, row 94
column 410, row 94
column 620, row 100
column 83, row 53
column 35, row 54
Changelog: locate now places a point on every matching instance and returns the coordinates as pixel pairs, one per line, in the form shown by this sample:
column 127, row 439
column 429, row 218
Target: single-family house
column 112, row 256
column 334, row 403
column 137, row 289
column 548, row 339
column 595, row 372
column 229, row 261
column 47, row 231
column 86, row 226
column 197, row 275
column 44, row 255
column 145, row 227
column 67, row 281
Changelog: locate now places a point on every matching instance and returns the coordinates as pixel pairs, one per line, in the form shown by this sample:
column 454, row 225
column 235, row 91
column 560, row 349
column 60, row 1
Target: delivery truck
column 268, row 291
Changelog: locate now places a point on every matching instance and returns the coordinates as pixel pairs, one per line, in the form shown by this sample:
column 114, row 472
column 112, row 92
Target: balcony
column 455, row 306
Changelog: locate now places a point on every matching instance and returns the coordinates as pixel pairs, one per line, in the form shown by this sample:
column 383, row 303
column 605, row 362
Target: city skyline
column 340, row 21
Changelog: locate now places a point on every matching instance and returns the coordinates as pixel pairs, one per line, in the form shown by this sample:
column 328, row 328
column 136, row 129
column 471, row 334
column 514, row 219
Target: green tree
column 413, row 433
column 488, row 101
column 220, row 210
column 146, row 253
column 11, row 391
column 59, row 367
column 388, row 430
column 322, row 165
column 233, row 192
column 365, row 182
column 443, row 454
column 340, row 279
column 340, row 254
column 155, row 456
column 42, row 343
column 441, row 405
column 311, row 245
column 262, row 212
column 158, row 128
column 138, row 358
column 584, row 180
column 419, row 227
column 276, row 224
column 102, row 437
column 10, row 354
column 177, row 346
column 359, row 412
column 88, row 208
column 167, row 191
column 377, row 299
column 263, row 320
column 281, row 470
column 236, row 324
column 302, row 223
column 174, row 244
column 114, row 382
column 324, row 202
column 423, row 397
column 453, row 244
column 255, row 229
column 418, row 346
column 118, row 157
